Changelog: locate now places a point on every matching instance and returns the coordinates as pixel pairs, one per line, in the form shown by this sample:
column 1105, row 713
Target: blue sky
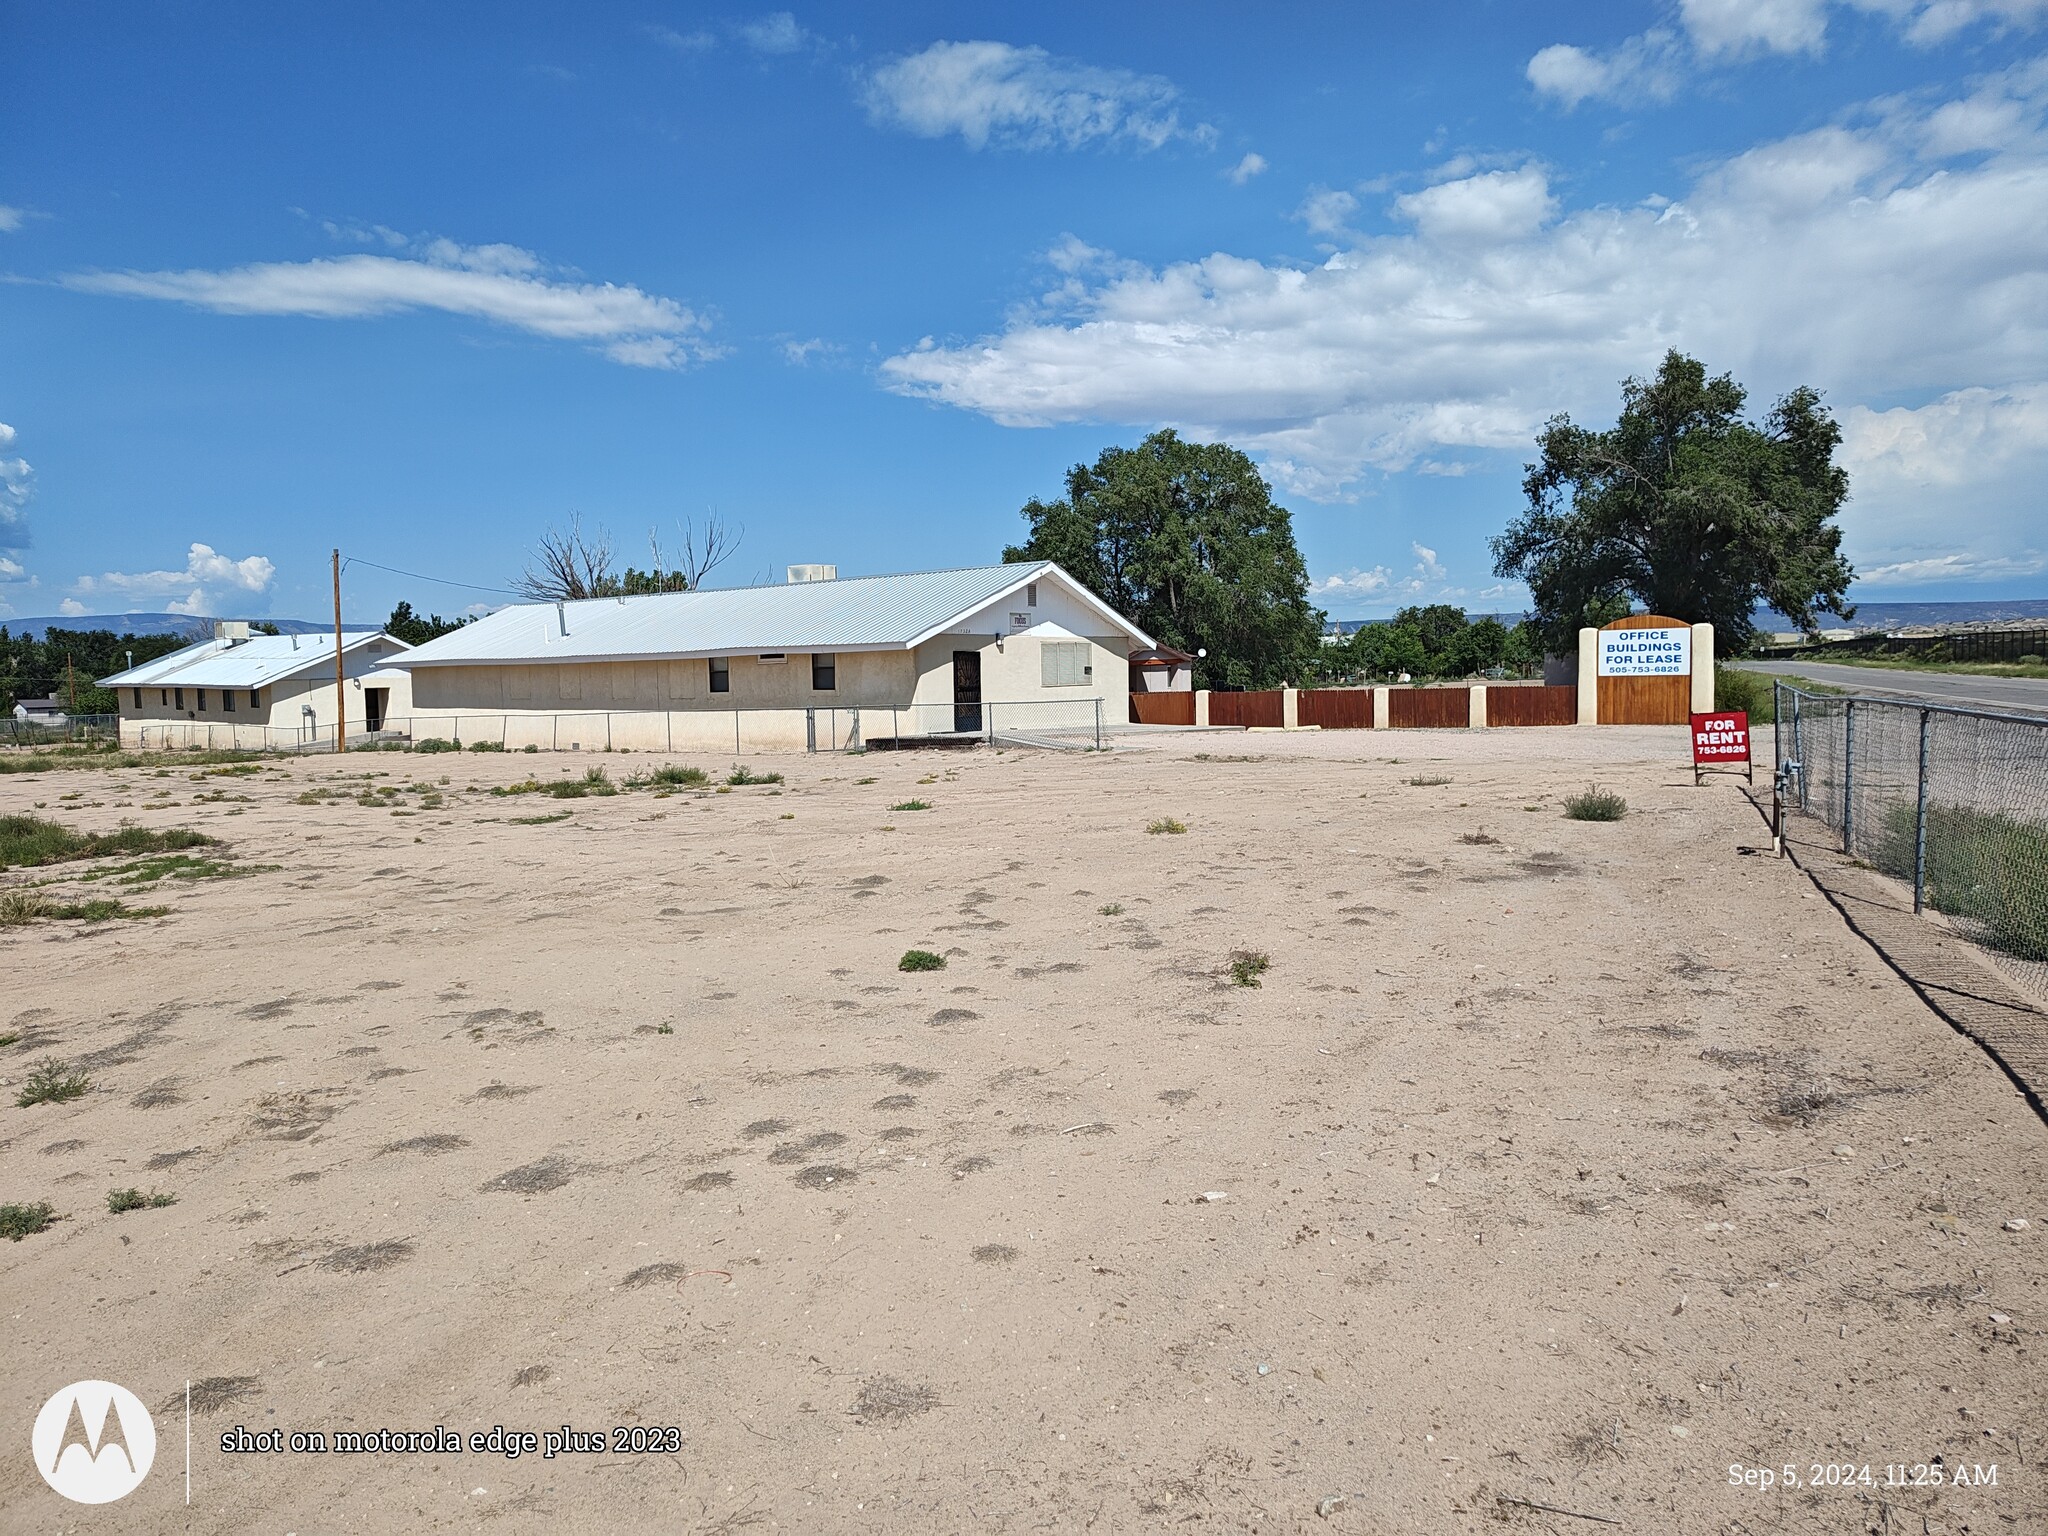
column 421, row 282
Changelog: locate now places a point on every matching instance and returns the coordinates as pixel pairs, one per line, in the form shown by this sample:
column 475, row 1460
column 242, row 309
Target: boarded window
column 569, row 682
column 824, row 673
column 721, row 674
column 1064, row 663
column 683, row 679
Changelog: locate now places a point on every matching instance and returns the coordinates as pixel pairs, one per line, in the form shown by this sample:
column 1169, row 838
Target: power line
column 438, row 580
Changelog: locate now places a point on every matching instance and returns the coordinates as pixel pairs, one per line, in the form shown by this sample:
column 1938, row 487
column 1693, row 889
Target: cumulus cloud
column 1652, row 65
column 206, row 573
column 72, row 608
column 1245, row 169
column 17, row 485
column 1024, row 98
column 11, row 219
column 1858, row 259
column 500, row 283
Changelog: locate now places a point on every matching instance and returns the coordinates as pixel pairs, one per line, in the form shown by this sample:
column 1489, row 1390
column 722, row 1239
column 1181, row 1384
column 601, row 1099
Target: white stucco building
column 933, row 653
column 243, row 690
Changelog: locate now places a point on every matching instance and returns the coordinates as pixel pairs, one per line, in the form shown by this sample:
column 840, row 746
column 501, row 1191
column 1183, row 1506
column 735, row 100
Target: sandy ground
column 1554, row 1162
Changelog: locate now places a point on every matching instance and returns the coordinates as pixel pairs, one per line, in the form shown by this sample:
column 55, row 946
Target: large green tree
column 65, row 663
column 1184, row 539
column 1686, row 507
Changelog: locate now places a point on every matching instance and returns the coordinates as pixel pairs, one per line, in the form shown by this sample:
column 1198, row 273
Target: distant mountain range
column 1869, row 616
column 185, row 624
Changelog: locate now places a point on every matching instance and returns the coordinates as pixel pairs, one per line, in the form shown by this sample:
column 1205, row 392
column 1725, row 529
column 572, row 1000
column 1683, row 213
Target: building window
column 1064, row 663
column 138, row 698
column 1031, row 595
column 824, row 673
column 163, row 695
column 178, row 697
column 721, row 674
column 227, row 701
column 255, row 698
column 199, row 698
column 771, row 658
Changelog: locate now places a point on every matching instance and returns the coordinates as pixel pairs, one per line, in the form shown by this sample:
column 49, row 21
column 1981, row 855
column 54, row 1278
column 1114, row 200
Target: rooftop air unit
column 231, row 631
column 803, row 573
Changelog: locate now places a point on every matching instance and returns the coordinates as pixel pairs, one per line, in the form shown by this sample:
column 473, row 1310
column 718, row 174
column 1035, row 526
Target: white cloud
column 683, row 42
column 11, row 219
column 1643, row 68
column 1652, row 65
column 1849, row 258
column 1352, row 585
column 1733, row 28
column 1427, row 566
column 1326, row 211
column 1251, row 165
column 800, row 353
column 206, row 572
column 17, row 485
column 72, row 608
column 1492, row 207
column 11, row 569
column 776, row 32
column 1023, row 98
column 502, row 283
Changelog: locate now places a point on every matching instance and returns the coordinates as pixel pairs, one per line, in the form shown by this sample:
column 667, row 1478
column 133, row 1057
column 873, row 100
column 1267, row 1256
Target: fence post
column 1849, row 777
column 810, row 729
column 1777, row 726
column 1920, row 826
column 853, row 732
column 1098, row 725
column 1799, row 745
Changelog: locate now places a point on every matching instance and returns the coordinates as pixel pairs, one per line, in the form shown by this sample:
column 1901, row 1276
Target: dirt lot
column 1554, row 1162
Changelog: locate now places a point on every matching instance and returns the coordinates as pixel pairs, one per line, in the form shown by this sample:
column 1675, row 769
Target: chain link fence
column 1953, row 802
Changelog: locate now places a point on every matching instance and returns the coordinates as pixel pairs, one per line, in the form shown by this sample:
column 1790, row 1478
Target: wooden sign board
column 1645, row 671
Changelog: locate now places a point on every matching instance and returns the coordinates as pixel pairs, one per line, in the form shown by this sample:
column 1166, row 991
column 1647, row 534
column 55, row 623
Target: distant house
column 243, row 690
column 40, row 711
column 932, row 653
column 1162, row 669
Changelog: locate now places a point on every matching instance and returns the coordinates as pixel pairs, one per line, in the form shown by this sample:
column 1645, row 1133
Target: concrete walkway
column 2028, row 695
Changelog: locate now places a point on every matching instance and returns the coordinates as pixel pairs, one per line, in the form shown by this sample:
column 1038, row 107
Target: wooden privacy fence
column 1263, row 709
column 1532, row 706
column 1429, row 708
column 1334, row 709
column 1163, row 708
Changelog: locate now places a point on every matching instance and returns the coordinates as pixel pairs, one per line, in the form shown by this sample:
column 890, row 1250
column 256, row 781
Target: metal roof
column 858, row 613
column 250, row 663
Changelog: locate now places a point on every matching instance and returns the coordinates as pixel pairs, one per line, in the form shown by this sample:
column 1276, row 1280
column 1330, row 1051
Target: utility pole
column 340, row 691
column 71, row 680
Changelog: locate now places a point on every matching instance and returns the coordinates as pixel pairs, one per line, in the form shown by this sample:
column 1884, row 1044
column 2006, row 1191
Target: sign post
column 1721, row 737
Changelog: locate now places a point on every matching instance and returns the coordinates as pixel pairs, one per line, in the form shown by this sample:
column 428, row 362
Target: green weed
column 921, row 960
column 122, row 1200
column 1428, row 780
column 1247, row 966
column 539, row 821
column 1983, row 868
column 436, row 744
column 31, row 840
column 51, row 1081
column 1167, row 824
column 743, row 775
column 19, row 1221
column 912, row 805
column 1113, row 909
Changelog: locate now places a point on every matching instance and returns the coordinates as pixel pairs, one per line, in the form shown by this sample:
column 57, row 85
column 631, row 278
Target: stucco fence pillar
column 1475, row 712
column 1589, row 677
column 1382, row 711
column 1290, row 709
column 1201, row 706
column 1702, row 669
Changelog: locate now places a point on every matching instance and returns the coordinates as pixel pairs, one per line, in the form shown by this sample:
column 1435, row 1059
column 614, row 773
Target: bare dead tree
column 567, row 567
column 703, row 550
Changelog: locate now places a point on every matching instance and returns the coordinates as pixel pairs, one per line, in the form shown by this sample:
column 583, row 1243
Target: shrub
column 743, row 775
column 436, row 744
column 486, row 746
column 1749, row 692
column 676, row 776
column 1111, row 909
column 1429, row 780
column 1167, row 824
column 122, row 1200
column 912, row 805
column 530, row 747
column 1595, row 804
column 52, row 1082
column 19, row 1221
column 20, row 908
column 1247, row 966
column 921, row 960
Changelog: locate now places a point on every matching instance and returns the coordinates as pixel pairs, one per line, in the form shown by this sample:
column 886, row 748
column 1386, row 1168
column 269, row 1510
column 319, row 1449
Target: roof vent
column 803, row 573
column 231, row 631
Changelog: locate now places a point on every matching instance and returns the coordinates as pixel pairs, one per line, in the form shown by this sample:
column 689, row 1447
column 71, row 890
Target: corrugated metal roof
column 250, row 663
column 857, row 613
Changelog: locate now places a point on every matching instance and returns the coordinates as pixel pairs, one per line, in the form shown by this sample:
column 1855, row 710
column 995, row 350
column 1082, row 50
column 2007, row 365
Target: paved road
column 2025, row 694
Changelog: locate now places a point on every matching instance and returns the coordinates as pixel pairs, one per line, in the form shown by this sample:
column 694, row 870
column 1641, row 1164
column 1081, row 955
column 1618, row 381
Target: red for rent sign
column 1720, row 738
